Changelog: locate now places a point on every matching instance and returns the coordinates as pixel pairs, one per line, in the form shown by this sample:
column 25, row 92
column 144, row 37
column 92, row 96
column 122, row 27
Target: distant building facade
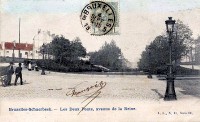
column 27, row 50
column 1, row 49
column 42, row 37
column 9, row 49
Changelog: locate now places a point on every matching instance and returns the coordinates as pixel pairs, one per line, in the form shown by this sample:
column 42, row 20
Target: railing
column 9, row 59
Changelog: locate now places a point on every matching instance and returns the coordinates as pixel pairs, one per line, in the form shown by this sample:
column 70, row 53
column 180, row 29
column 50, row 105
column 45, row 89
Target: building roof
column 21, row 46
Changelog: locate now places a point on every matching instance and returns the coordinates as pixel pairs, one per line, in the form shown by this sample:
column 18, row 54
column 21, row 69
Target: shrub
column 52, row 66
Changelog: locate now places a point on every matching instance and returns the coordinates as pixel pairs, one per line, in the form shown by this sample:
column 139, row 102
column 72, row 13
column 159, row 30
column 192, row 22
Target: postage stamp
column 100, row 18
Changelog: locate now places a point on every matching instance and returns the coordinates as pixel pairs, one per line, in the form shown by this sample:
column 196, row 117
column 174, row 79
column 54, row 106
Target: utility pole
column 19, row 38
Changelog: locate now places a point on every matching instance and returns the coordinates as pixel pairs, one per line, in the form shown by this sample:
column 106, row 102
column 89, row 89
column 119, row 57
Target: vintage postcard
column 99, row 60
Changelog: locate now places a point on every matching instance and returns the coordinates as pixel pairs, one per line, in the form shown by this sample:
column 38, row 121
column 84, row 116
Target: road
column 55, row 85
column 136, row 91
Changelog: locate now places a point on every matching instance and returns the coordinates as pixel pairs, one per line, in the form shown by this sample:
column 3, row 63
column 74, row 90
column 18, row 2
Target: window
column 7, row 51
column 26, row 53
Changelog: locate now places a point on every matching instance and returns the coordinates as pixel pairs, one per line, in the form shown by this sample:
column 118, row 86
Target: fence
column 9, row 59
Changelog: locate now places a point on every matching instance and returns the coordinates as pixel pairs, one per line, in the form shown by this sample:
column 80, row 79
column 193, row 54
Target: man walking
column 18, row 73
column 10, row 72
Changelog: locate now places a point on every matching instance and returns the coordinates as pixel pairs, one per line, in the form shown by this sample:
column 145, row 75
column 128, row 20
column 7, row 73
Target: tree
column 64, row 50
column 77, row 50
column 61, row 48
column 109, row 56
column 183, row 34
column 197, row 50
column 159, row 49
column 183, row 37
column 155, row 55
column 47, row 50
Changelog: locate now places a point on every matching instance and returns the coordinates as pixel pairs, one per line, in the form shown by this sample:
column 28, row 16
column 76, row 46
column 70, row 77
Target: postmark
column 98, row 18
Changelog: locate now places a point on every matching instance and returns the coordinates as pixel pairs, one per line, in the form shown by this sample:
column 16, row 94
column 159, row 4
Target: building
column 1, row 50
column 10, row 49
column 27, row 50
column 42, row 37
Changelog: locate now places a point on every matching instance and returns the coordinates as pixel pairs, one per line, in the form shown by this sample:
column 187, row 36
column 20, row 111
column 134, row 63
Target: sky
column 140, row 21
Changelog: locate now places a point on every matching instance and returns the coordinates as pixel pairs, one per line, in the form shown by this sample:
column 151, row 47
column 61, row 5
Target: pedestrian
column 18, row 73
column 29, row 66
column 10, row 72
column 36, row 68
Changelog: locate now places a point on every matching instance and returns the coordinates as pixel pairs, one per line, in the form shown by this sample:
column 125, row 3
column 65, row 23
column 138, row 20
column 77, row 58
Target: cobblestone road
column 56, row 85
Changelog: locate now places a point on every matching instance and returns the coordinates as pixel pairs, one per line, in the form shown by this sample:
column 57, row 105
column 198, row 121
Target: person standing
column 29, row 66
column 18, row 73
column 10, row 72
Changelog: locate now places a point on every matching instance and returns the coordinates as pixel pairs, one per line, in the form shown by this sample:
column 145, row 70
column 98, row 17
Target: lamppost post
column 43, row 72
column 149, row 60
column 14, row 45
column 170, row 90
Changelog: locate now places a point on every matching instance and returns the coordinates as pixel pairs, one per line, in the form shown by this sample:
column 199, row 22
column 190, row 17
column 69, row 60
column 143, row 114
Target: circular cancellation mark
column 98, row 18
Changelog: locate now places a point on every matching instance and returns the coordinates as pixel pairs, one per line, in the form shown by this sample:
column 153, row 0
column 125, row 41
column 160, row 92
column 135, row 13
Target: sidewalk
column 180, row 77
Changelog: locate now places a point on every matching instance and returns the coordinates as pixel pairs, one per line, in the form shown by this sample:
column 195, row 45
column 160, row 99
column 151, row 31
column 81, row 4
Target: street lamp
column 149, row 60
column 43, row 72
column 170, row 90
column 14, row 45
